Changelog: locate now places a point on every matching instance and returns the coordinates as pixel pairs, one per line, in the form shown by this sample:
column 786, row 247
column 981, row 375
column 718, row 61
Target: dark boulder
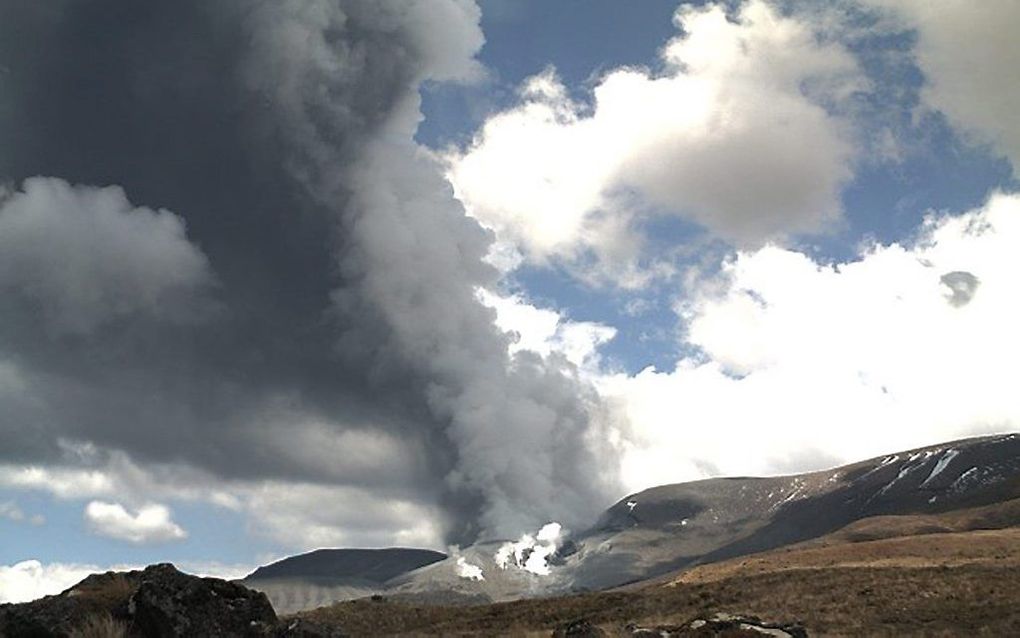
column 579, row 629
column 169, row 604
column 158, row 601
column 49, row 617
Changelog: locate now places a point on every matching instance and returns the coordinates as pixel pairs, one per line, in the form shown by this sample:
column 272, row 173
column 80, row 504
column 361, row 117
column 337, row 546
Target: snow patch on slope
column 944, row 462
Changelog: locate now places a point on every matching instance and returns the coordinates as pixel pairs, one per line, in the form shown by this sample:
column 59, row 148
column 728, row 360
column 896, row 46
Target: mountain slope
column 371, row 565
column 936, row 584
column 669, row 527
column 672, row 527
column 325, row 576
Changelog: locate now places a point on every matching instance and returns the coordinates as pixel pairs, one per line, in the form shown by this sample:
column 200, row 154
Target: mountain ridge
column 919, row 542
column 666, row 528
column 367, row 564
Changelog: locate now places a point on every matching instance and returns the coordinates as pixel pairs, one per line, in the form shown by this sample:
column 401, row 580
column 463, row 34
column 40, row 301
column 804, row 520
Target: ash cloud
column 103, row 259
column 341, row 270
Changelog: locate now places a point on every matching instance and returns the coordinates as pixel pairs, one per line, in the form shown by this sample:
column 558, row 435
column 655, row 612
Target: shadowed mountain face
column 333, row 565
column 673, row 527
column 327, row 575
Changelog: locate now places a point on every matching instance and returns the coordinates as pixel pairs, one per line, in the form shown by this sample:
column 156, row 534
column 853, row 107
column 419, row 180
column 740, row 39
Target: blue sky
column 763, row 237
column 579, row 38
column 883, row 202
column 522, row 40
column 215, row 535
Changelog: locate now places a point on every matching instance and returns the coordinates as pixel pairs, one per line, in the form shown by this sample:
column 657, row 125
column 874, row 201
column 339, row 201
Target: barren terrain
column 929, row 583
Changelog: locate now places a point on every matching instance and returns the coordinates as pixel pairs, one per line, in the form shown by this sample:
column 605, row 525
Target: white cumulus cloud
column 731, row 134
column 806, row 364
column 149, row 524
column 12, row 511
column 300, row 516
column 546, row 331
column 31, row 579
column 970, row 56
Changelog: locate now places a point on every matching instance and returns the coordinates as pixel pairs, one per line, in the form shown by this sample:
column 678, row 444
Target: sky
column 351, row 273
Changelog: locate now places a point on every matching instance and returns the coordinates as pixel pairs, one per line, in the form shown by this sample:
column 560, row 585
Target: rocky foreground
column 157, row 602
column 162, row 602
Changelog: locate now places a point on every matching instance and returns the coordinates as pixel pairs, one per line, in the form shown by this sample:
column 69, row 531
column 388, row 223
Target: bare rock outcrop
column 721, row 625
column 158, row 602
column 168, row 604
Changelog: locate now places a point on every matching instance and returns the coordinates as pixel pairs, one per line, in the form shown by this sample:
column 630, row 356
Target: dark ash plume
column 336, row 295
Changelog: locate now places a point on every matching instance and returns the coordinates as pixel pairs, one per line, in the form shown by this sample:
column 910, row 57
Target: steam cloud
column 316, row 280
column 531, row 553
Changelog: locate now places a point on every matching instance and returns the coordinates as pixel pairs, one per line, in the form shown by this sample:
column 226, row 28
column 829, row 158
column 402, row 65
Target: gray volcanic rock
column 50, row 616
column 579, row 629
column 721, row 625
column 169, row 604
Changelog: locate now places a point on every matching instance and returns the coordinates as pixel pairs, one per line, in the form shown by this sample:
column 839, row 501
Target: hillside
column 926, row 584
column 658, row 531
column 672, row 526
column 909, row 579
column 923, row 542
column 368, row 565
column 324, row 576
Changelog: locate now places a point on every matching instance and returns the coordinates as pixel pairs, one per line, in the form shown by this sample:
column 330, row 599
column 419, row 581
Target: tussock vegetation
column 997, row 516
column 100, row 626
column 994, row 548
column 106, row 590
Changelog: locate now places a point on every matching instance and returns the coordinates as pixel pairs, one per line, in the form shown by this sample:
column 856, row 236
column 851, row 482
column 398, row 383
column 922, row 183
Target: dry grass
column 997, row 516
column 105, row 590
column 999, row 548
column 100, row 626
column 953, row 584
